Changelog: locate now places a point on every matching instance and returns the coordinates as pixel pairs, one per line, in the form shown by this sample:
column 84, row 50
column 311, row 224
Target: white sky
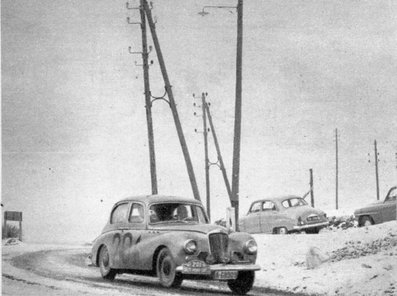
column 73, row 117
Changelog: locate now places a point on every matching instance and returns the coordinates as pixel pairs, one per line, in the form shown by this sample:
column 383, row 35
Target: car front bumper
column 227, row 267
column 308, row 226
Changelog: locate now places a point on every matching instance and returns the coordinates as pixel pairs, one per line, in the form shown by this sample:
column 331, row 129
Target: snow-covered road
column 54, row 270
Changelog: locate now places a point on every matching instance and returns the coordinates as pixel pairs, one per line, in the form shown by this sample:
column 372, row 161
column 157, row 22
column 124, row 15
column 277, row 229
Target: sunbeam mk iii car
column 281, row 215
column 171, row 238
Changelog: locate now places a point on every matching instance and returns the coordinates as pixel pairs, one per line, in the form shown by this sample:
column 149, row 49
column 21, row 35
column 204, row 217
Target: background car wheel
column 166, row 270
column 366, row 221
column 243, row 284
column 104, row 264
column 281, row 230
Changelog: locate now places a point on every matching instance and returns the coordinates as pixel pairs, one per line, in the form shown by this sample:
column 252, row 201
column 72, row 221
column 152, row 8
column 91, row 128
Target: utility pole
column 148, row 102
column 336, row 168
column 168, row 89
column 376, row 170
column 237, row 116
column 218, row 151
column 206, row 160
column 311, row 188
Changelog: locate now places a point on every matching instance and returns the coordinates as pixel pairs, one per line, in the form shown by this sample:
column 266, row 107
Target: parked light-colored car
column 282, row 215
column 171, row 238
column 378, row 212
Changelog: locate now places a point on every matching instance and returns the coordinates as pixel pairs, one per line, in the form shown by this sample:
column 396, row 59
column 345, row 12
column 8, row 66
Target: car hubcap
column 283, row 231
column 105, row 259
column 367, row 223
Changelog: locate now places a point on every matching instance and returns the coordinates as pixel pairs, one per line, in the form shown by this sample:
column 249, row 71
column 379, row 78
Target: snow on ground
column 355, row 261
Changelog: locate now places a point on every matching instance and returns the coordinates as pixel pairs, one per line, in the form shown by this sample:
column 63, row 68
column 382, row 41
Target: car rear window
column 119, row 214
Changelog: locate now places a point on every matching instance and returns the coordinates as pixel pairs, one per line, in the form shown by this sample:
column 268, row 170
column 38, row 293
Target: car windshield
column 177, row 213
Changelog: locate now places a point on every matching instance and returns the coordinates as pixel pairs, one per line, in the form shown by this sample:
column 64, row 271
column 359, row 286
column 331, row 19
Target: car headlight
column 190, row 246
column 250, row 247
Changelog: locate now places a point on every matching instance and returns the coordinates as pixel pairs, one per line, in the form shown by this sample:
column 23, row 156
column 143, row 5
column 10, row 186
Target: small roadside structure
column 14, row 216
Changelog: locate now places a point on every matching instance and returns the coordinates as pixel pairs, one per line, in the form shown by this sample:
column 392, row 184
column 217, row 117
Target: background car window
column 392, row 195
column 296, row 202
column 268, row 206
column 285, row 203
column 119, row 214
column 136, row 215
column 256, row 207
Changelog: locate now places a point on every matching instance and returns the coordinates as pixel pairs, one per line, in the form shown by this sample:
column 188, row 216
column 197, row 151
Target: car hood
column 303, row 211
column 202, row 228
column 371, row 206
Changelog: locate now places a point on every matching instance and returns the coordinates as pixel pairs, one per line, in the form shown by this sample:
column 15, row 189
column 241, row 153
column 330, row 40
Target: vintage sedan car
column 379, row 212
column 282, row 215
column 171, row 238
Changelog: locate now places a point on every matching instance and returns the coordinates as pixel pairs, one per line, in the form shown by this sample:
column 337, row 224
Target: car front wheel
column 243, row 283
column 166, row 270
column 366, row 221
column 104, row 264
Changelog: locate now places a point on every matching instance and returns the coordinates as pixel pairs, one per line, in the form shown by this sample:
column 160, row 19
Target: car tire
column 166, row 270
column 282, row 230
column 366, row 221
column 243, row 283
column 104, row 264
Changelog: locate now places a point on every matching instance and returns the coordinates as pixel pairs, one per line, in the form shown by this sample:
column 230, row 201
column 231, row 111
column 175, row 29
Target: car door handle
column 123, row 228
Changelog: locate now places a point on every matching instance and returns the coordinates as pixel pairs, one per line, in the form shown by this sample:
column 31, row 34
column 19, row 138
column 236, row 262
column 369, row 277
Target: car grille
column 218, row 245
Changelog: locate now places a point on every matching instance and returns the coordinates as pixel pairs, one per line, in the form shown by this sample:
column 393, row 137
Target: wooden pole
column 206, row 160
column 376, row 170
column 148, row 102
column 311, row 188
column 336, row 168
column 237, row 116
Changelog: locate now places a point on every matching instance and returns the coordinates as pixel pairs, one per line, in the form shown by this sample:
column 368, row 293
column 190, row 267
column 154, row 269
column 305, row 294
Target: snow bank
column 355, row 261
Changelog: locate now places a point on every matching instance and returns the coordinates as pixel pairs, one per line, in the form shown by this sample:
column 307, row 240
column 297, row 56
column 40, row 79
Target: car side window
column 268, row 206
column 119, row 214
column 256, row 207
column 136, row 215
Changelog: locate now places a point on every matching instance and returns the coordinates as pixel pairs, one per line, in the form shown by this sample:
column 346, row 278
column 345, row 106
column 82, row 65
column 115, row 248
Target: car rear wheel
column 282, row 230
column 104, row 264
column 243, row 284
column 166, row 270
column 366, row 221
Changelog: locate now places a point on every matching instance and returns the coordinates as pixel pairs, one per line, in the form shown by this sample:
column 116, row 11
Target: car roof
column 278, row 198
column 148, row 199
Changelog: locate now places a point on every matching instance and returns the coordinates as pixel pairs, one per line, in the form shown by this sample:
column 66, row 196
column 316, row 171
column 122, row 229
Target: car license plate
column 225, row 275
column 196, row 267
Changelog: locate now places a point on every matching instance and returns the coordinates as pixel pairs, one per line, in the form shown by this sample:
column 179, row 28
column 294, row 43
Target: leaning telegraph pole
column 148, row 101
column 237, row 116
column 171, row 101
column 218, row 151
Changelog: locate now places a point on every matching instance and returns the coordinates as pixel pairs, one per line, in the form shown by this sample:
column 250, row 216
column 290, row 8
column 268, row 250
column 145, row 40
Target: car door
column 269, row 216
column 131, row 236
column 118, row 220
column 252, row 221
column 389, row 206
